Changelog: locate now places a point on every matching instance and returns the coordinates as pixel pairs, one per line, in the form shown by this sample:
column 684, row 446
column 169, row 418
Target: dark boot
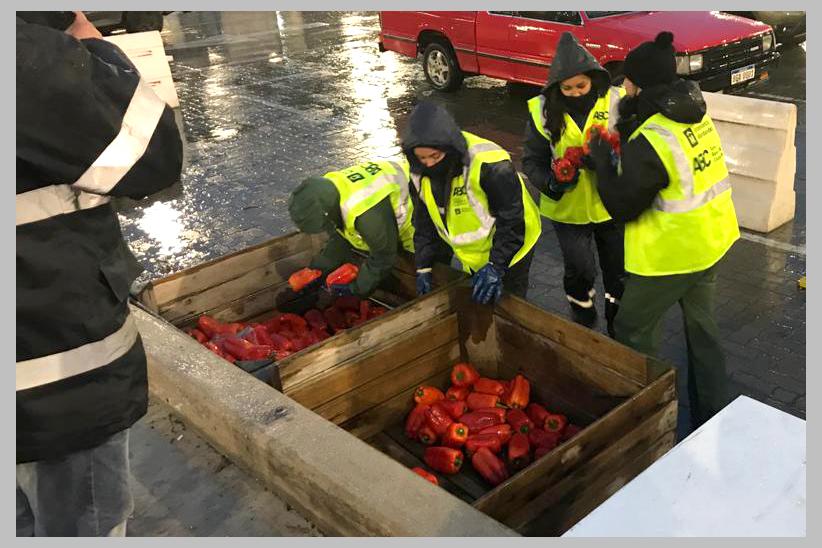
column 584, row 312
column 611, row 309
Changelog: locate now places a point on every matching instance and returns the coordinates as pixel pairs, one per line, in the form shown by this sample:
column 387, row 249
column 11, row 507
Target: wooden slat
column 575, row 489
column 389, row 412
column 610, row 353
column 344, row 346
column 383, row 388
column 384, row 443
column 478, row 334
column 218, row 271
column 506, row 500
column 389, row 356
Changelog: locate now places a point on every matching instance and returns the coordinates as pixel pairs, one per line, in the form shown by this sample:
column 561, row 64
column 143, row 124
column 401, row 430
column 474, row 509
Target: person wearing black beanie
column 673, row 193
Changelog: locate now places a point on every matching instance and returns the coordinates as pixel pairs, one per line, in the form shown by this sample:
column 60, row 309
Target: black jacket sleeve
column 113, row 136
column 425, row 233
column 627, row 195
column 500, row 182
column 536, row 161
column 378, row 227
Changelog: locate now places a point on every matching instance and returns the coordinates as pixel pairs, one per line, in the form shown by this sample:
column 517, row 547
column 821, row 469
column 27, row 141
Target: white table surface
column 741, row 474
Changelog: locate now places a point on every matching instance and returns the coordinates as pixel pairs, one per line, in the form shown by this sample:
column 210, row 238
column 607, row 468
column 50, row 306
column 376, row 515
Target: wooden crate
column 251, row 285
column 625, row 400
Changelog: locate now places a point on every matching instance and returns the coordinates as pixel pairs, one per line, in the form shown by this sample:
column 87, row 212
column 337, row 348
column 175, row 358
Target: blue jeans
column 81, row 494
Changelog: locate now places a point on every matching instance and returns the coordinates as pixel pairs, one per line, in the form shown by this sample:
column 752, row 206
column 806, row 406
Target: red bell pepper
column 213, row 347
column 377, row 311
column 457, row 393
column 281, row 354
column 542, row 450
column 349, row 302
column 335, row 318
column 519, row 421
column 263, row 337
column 197, row 334
column 502, row 431
column 540, row 438
column 571, row 430
column 315, row 319
column 425, row 474
column 456, row 436
column 211, row 327
column 519, row 451
column 574, row 155
column 365, row 310
column 293, row 322
column 477, row 420
column 519, row 393
column 272, row 325
column 345, row 274
column 352, row 318
column 489, row 386
column 249, row 335
column 463, row 374
column 280, row 342
column 303, row 277
column 537, row 413
column 245, row 350
column 438, row 418
column 498, row 411
column 490, row 441
column 427, row 435
column 321, row 334
column 564, row 170
column 455, row 408
column 489, row 466
column 428, row 394
column 445, row 460
column 555, row 423
column 475, row 400
column 415, row 421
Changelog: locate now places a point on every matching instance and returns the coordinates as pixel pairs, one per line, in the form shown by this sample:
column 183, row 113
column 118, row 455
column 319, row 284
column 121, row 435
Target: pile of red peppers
column 492, row 422
column 283, row 334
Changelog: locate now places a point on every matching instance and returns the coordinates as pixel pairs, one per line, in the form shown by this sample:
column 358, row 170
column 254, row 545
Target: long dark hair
column 555, row 107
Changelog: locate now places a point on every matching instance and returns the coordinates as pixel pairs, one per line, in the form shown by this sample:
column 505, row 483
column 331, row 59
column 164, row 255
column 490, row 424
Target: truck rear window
column 597, row 14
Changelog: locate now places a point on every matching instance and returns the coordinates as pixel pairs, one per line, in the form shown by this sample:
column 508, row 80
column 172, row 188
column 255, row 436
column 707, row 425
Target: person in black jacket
column 88, row 129
column 577, row 96
column 460, row 177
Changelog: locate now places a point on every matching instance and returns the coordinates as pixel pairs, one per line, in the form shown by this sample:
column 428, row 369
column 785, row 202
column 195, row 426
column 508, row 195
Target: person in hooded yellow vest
column 468, row 195
column 577, row 96
column 365, row 207
column 673, row 192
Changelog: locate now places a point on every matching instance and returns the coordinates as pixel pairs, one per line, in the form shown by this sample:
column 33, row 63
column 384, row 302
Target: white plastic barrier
column 146, row 51
column 758, row 139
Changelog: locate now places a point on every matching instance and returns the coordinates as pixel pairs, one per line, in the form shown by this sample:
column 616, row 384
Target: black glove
column 424, row 282
column 557, row 187
column 602, row 154
column 311, row 286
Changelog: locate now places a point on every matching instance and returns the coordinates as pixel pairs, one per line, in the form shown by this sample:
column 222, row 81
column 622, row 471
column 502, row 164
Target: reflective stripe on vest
column 51, row 201
column 56, row 367
column 581, row 205
column 692, row 222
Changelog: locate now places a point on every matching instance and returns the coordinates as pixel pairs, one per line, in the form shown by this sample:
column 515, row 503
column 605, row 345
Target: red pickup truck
column 718, row 50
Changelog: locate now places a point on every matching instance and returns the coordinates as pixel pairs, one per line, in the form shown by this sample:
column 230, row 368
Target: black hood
column 430, row 125
column 681, row 101
column 571, row 59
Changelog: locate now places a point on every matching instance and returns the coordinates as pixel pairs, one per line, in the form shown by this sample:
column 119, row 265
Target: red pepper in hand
column 428, row 394
column 555, row 423
column 445, row 460
column 503, row 431
column 489, row 466
column 519, row 394
column 540, row 438
column 537, row 413
column 574, row 155
column 426, row 435
column 571, row 430
column 425, row 474
column 415, row 421
column 463, row 374
column 519, row 451
column 454, row 408
column 344, row 275
column 564, row 170
column 438, row 418
column 315, row 319
column 303, row 277
column 476, row 421
column 519, row 421
column 498, row 411
column 492, row 442
column 475, row 400
column 489, row 386
column 197, row 334
column 456, row 436
column 457, row 393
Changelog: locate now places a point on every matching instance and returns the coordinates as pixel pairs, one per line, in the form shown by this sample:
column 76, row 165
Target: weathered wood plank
column 478, row 334
column 390, row 412
column 352, row 342
column 375, row 392
column 389, row 356
column 575, row 489
column 505, row 501
column 620, row 358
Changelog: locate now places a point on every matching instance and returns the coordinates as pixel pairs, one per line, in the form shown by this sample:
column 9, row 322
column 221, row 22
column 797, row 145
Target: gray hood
column 430, row 125
column 571, row 59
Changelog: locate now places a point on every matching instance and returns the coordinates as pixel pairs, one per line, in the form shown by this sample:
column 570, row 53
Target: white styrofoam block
column 751, row 112
column 741, row 474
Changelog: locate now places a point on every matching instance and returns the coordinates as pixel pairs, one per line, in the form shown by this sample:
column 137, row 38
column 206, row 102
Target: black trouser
column 516, row 279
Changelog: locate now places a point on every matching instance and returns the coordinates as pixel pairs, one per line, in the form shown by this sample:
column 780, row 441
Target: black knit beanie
column 652, row 63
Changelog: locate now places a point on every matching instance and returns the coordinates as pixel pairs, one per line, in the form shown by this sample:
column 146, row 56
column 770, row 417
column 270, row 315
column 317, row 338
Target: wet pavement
column 270, row 98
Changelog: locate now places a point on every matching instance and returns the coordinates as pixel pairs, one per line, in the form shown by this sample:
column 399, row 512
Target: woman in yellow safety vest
column 577, row 96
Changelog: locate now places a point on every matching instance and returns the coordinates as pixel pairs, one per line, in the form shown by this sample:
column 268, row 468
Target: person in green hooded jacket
column 365, row 207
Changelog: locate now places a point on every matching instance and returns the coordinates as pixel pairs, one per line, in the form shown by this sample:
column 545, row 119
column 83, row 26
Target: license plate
column 743, row 74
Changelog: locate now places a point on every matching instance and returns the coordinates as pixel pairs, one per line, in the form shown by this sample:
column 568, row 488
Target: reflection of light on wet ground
column 161, row 222
column 221, row 133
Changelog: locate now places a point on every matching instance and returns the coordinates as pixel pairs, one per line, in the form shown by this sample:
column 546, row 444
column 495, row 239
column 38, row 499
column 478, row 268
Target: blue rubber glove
column 424, row 282
column 487, row 284
column 341, row 290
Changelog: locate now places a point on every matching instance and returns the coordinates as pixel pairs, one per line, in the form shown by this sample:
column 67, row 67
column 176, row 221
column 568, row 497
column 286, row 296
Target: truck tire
column 142, row 21
column 441, row 68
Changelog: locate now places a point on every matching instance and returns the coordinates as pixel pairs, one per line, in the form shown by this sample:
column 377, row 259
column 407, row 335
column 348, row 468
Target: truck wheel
column 441, row 68
column 142, row 21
